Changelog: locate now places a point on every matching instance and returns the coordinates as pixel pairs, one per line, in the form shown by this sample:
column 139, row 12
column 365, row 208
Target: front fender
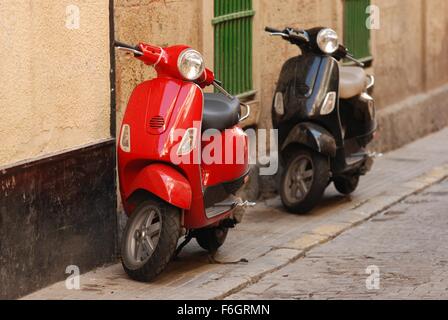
column 312, row 136
column 164, row 182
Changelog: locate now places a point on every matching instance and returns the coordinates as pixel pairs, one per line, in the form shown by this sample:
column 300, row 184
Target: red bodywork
column 156, row 110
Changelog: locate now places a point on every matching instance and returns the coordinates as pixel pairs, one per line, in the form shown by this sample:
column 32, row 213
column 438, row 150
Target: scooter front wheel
column 150, row 239
column 304, row 180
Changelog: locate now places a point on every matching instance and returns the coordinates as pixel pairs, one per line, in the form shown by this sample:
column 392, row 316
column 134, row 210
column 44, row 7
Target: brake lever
column 139, row 53
column 281, row 34
column 353, row 59
column 125, row 47
column 299, row 34
column 222, row 90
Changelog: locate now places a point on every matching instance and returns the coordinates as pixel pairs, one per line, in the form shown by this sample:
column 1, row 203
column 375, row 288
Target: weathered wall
column 411, row 69
column 411, row 49
column 397, row 50
column 436, row 43
column 54, row 82
column 161, row 23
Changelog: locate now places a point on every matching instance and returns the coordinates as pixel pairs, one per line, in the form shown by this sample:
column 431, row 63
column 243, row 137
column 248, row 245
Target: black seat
column 220, row 112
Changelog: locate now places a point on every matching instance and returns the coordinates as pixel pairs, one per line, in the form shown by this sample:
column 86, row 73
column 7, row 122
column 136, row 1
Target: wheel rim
column 299, row 179
column 143, row 236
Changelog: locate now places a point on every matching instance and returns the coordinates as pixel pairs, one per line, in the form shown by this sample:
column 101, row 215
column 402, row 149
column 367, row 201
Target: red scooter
column 167, row 189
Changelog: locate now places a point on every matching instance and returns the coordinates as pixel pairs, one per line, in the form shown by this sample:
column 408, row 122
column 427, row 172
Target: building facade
column 63, row 92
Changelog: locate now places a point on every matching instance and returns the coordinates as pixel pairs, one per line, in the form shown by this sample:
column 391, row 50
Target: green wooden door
column 233, row 45
column 356, row 33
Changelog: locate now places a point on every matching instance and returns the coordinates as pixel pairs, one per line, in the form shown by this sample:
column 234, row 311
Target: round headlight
column 191, row 64
column 328, row 41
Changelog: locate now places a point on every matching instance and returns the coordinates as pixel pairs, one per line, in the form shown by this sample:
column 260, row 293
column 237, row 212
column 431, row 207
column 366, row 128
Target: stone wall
column 411, row 64
column 54, row 81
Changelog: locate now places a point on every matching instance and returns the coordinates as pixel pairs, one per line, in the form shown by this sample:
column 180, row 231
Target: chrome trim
column 226, row 206
column 247, row 112
column 217, row 210
column 371, row 79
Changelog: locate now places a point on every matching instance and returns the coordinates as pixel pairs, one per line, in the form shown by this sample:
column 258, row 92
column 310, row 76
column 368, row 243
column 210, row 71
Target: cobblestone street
column 397, row 221
column 406, row 243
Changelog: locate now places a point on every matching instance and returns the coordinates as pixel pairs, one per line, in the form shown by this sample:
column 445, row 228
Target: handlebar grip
column 271, row 30
column 123, row 45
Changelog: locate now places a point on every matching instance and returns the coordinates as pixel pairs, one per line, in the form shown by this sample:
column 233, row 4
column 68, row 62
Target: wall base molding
column 56, row 211
column 412, row 119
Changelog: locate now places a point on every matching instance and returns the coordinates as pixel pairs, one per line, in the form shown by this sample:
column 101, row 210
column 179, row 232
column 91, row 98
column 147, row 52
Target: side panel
column 312, row 136
column 228, row 164
column 165, row 182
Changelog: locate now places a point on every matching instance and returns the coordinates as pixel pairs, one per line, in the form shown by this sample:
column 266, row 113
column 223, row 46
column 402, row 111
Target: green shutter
column 356, row 33
column 233, row 45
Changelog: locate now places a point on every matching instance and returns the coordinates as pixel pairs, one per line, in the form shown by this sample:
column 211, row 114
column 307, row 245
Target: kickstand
column 188, row 238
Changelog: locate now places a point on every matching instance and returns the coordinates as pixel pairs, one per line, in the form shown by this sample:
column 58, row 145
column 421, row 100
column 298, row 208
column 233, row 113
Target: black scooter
column 325, row 117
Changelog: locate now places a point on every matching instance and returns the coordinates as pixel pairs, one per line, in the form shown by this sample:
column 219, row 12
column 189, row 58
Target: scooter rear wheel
column 150, row 239
column 211, row 239
column 304, row 180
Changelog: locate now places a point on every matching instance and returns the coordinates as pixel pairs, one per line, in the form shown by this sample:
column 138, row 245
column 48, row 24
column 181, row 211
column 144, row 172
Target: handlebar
column 294, row 36
column 127, row 47
column 272, row 30
column 302, row 37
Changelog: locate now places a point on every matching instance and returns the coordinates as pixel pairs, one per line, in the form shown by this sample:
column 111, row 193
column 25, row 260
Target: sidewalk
column 271, row 239
column 405, row 246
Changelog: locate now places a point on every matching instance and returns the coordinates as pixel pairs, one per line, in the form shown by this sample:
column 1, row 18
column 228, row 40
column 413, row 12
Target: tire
column 346, row 185
column 211, row 239
column 311, row 183
column 163, row 231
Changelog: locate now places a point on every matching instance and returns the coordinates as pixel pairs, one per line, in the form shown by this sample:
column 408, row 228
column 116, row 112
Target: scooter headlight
column 188, row 142
column 191, row 64
column 328, row 41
